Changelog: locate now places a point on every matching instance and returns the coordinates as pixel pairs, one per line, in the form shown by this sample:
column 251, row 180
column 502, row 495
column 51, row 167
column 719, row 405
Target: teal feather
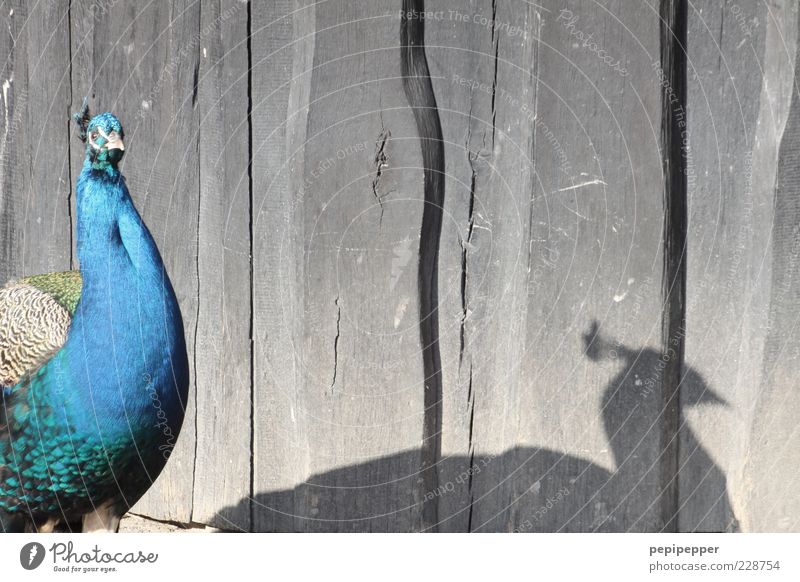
column 83, row 430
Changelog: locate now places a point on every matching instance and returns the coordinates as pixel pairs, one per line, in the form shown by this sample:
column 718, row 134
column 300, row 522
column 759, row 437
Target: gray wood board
column 223, row 455
column 337, row 201
column 278, row 116
column 298, row 275
column 140, row 61
column 481, row 244
column 565, row 230
column 727, row 257
column 770, row 479
column 34, row 200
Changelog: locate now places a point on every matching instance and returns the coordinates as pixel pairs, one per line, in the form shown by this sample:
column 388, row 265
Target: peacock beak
column 116, row 144
column 113, row 141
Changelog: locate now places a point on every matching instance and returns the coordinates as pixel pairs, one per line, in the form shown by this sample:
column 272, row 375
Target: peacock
column 93, row 363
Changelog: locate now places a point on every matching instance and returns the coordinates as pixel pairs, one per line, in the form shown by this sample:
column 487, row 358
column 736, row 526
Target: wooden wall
column 509, row 266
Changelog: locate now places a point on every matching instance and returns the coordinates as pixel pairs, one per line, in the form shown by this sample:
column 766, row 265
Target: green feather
column 64, row 287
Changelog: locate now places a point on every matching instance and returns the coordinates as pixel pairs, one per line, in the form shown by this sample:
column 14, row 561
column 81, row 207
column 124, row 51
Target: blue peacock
column 93, row 364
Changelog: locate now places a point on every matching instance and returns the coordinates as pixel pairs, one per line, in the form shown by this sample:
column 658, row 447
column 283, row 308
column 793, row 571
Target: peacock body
column 93, row 363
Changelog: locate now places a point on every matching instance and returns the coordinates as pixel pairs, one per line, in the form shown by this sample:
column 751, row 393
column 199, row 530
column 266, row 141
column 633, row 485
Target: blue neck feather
column 125, row 352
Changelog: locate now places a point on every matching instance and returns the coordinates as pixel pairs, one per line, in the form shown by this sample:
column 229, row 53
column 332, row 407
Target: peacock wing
column 35, row 314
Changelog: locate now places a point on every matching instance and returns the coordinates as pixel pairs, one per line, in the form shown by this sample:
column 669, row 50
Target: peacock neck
column 100, row 195
column 112, row 238
column 127, row 322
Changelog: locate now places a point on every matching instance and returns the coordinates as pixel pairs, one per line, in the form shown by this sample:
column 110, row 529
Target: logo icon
column 31, row 555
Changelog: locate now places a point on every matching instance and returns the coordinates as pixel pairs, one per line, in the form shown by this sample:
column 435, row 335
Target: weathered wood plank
column 597, row 223
column 338, row 367
column 142, row 63
column 223, row 455
column 418, row 90
column 564, row 229
column 278, row 127
column 551, row 290
column 34, row 175
column 462, row 58
column 770, row 479
column 727, row 248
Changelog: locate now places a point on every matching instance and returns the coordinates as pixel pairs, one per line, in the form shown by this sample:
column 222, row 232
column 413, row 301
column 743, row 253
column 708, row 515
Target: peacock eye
column 93, row 135
column 113, row 136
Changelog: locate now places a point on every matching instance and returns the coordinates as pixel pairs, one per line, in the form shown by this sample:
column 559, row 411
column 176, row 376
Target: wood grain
column 769, row 475
column 616, row 339
column 140, row 60
column 34, row 204
column 278, row 123
column 563, row 229
column 223, row 347
column 350, row 383
column 727, row 246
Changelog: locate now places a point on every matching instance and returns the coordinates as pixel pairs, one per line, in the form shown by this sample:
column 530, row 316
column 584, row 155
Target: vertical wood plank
column 223, row 457
column 280, row 83
column 418, row 90
column 561, row 210
column 770, row 473
column 463, row 61
column 337, row 211
column 730, row 124
column 34, row 198
column 298, row 275
column 597, row 242
column 142, row 62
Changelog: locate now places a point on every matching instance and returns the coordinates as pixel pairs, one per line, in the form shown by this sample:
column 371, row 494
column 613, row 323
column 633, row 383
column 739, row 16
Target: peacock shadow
column 529, row 489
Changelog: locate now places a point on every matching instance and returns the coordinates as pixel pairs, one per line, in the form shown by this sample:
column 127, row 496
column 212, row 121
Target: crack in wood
column 674, row 152
column 250, row 153
column 466, row 242
column 69, row 141
column 419, row 93
column 198, row 281
column 381, row 162
column 336, row 343
column 496, row 44
column 471, row 448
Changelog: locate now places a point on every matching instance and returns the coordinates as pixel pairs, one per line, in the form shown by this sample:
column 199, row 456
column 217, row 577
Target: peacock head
column 103, row 136
column 104, row 145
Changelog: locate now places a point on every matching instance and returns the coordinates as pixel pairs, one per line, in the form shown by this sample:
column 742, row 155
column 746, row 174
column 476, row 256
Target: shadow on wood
column 529, row 488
